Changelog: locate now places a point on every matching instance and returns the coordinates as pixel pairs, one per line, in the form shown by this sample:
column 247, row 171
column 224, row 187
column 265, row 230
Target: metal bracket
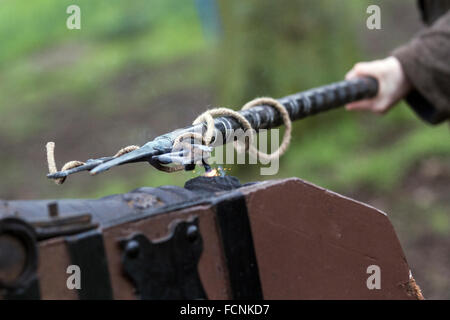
column 237, row 240
column 165, row 268
column 87, row 251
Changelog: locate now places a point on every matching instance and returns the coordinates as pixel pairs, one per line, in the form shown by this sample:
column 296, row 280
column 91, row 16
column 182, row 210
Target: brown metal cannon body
column 213, row 239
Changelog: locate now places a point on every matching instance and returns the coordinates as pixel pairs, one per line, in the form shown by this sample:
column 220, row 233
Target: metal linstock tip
column 57, row 175
column 133, row 156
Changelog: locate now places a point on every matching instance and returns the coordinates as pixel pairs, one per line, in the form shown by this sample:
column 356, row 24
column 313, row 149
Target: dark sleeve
column 426, row 63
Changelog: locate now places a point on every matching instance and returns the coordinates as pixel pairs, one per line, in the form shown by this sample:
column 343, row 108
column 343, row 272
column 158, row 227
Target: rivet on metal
column 192, row 233
column 132, row 248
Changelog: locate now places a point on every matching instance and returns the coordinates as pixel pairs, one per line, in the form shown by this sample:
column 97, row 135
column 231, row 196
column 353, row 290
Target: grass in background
column 40, row 58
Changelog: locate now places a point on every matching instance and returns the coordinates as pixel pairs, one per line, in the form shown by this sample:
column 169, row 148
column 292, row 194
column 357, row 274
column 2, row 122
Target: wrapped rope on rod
column 261, row 113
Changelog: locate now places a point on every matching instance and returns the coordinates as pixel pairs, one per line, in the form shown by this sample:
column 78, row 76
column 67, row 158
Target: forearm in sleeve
column 426, row 63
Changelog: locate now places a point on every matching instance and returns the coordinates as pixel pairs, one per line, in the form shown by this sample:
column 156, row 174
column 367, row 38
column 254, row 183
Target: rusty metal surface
column 107, row 211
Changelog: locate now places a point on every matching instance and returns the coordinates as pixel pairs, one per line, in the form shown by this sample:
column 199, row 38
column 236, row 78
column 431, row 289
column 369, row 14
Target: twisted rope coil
column 74, row 163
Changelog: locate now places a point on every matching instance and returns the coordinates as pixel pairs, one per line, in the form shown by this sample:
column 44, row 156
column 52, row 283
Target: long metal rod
column 299, row 105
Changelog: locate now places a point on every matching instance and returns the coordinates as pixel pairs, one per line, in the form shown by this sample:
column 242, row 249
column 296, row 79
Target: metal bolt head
column 192, row 233
column 132, row 248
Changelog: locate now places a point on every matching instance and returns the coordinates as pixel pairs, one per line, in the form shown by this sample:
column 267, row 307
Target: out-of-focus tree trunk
column 280, row 47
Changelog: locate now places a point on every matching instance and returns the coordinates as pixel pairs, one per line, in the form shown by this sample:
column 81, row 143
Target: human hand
column 392, row 84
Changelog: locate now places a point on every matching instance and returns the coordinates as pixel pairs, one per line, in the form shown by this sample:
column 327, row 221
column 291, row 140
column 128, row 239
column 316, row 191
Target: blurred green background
column 137, row 69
